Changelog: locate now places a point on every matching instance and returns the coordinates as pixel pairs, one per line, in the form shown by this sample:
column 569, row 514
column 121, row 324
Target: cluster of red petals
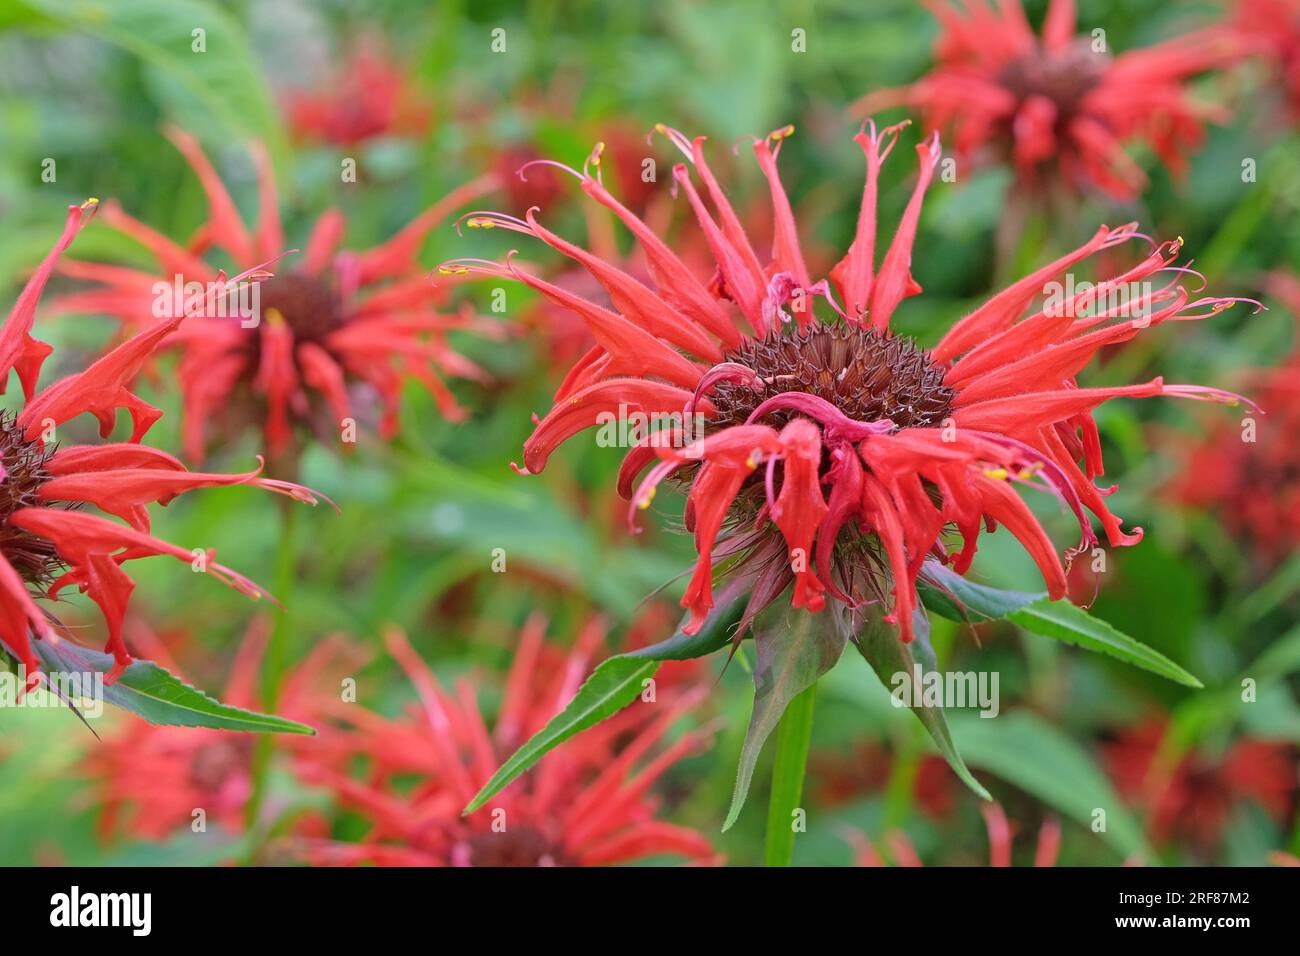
column 370, row 97
column 587, row 803
column 1019, row 418
column 1055, row 99
column 151, row 778
column 1192, row 796
column 390, row 327
column 1249, row 472
column 120, row 479
column 1272, row 28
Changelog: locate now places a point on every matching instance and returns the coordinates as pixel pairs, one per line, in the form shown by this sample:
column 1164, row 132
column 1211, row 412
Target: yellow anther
column 644, row 503
column 478, row 222
column 783, row 132
column 997, row 474
column 595, row 153
column 452, row 270
column 274, row 317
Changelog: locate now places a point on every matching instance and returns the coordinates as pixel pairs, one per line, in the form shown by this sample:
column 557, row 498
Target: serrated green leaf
column 158, row 696
column 1073, row 625
column 879, row 644
column 950, row 595
column 613, row 685
column 792, row 649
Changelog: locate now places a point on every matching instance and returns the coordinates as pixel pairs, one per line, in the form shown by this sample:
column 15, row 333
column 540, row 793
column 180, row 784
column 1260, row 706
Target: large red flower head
column 816, row 452
column 1060, row 106
column 1248, row 472
column 48, row 541
column 585, row 804
column 371, row 96
column 333, row 322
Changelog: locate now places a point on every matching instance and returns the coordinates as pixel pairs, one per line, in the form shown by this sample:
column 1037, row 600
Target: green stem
column 275, row 660
column 793, row 735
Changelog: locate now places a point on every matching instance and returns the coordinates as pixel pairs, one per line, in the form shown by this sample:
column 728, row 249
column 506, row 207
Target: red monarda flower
column 586, row 803
column 368, row 98
column 1248, row 472
column 1191, row 797
column 334, row 321
column 816, row 452
column 47, row 542
column 1060, row 106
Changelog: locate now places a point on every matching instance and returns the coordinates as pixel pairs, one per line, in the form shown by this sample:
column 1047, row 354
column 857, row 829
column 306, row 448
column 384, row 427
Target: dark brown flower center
column 34, row 558
column 867, row 375
column 1064, row 78
column 216, row 762
column 515, row 846
column 308, row 305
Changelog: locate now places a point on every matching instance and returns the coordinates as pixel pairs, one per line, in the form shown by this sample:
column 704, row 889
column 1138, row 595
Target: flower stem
column 784, row 815
column 274, row 665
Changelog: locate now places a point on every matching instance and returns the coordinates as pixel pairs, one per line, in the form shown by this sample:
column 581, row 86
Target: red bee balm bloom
column 827, row 448
column 151, row 778
column 338, row 318
column 46, row 542
column 584, row 804
column 370, row 97
column 1061, row 99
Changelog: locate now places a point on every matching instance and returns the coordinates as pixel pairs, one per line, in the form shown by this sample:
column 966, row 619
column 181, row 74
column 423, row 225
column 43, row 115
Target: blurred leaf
column 1026, row 751
column 224, row 79
column 1040, row 615
column 151, row 692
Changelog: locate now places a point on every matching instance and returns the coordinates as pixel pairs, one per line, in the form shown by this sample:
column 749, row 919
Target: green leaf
column 888, row 656
column 956, row 598
column 225, row 81
column 160, row 697
column 1023, row 749
column 793, row 737
column 792, row 648
column 613, row 685
column 1073, row 625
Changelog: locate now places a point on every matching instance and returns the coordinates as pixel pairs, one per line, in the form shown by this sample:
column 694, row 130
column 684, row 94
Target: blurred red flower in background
column 1191, row 796
column 1000, row 832
column 1272, row 28
column 1249, row 471
column 370, row 96
column 1061, row 107
column 149, row 780
column 586, row 803
column 791, row 405
column 47, row 543
column 336, row 320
